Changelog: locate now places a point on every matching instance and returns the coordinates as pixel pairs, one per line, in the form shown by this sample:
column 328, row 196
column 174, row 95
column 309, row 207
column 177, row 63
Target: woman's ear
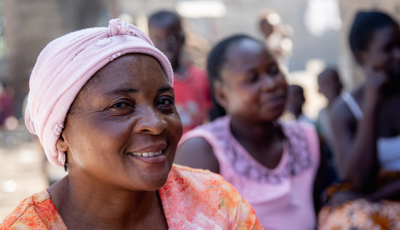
column 61, row 144
column 220, row 94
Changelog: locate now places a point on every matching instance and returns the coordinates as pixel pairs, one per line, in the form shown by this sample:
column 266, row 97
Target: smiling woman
column 102, row 104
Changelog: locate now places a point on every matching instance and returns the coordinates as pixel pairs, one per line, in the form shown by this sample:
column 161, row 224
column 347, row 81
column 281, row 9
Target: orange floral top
column 191, row 198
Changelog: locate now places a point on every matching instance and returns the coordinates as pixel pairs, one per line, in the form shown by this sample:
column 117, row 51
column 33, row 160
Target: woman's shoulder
column 35, row 212
column 204, row 198
column 209, row 131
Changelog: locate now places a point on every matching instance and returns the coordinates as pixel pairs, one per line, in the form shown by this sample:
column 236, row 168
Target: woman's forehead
column 127, row 61
column 246, row 53
column 385, row 35
column 131, row 70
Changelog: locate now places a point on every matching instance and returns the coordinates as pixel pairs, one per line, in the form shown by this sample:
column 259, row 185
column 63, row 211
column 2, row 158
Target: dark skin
column 378, row 97
column 253, row 92
column 126, row 107
column 167, row 36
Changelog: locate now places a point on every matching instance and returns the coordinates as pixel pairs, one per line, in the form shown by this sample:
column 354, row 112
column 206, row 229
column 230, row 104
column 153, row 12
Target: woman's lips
column 150, row 157
column 151, row 147
column 276, row 101
column 149, row 154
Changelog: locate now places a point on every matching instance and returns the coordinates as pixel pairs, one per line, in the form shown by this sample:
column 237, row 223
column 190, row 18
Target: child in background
column 192, row 93
column 272, row 164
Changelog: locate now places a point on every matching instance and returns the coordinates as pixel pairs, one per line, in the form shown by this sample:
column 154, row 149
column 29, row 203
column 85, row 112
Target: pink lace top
column 281, row 197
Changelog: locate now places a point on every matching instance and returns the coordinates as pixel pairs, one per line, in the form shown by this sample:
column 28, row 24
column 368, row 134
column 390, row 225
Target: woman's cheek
column 176, row 126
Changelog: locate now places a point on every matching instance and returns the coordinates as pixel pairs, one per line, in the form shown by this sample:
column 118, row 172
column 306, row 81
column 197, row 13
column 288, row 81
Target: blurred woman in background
column 273, row 165
column 366, row 131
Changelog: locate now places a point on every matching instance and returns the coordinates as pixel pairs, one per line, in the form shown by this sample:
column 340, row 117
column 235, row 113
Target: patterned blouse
column 191, row 199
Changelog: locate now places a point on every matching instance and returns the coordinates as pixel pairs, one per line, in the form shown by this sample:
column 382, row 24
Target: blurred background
column 310, row 35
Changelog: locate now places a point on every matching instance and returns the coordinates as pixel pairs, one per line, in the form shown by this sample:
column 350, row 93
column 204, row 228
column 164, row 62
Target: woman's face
column 383, row 52
column 253, row 88
column 125, row 112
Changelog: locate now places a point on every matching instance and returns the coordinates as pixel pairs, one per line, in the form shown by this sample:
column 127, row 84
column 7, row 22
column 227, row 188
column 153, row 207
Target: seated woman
column 272, row 164
column 102, row 103
column 366, row 131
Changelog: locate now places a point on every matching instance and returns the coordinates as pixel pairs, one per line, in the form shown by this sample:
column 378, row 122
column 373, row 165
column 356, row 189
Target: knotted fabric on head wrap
column 66, row 64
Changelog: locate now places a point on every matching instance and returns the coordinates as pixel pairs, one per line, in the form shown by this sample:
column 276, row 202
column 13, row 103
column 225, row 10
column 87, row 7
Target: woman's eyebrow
column 127, row 90
column 133, row 90
column 120, row 91
column 164, row 88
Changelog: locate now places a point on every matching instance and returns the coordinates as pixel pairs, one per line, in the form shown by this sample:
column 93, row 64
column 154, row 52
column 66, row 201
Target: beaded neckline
column 298, row 159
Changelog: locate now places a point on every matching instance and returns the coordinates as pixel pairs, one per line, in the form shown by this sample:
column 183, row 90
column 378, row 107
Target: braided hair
column 215, row 61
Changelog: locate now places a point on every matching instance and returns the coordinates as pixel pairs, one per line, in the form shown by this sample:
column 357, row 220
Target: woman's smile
column 275, row 101
column 158, row 157
column 154, row 154
column 149, row 154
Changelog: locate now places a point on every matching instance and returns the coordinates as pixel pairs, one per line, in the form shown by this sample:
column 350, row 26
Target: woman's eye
column 166, row 101
column 253, row 78
column 274, row 71
column 120, row 105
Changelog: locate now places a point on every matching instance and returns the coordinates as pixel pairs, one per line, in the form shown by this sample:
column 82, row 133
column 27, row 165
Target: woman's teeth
column 149, row 154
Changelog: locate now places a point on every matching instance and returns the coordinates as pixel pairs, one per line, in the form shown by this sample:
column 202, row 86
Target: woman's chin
column 272, row 114
column 151, row 180
column 154, row 184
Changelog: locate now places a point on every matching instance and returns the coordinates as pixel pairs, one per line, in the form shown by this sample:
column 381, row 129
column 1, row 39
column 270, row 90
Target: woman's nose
column 150, row 122
column 268, row 83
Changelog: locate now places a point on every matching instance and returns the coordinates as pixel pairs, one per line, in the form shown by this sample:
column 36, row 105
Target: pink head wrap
column 66, row 64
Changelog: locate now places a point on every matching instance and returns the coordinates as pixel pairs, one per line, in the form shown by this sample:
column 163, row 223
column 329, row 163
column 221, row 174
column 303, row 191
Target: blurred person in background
column 107, row 115
column 366, row 131
column 276, row 36
column 272, row 164
column 294, row 105
column 192, row 92
column 330, row 86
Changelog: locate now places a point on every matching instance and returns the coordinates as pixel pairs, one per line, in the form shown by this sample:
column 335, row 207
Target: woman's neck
column 258, row 133
column 84, row 204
